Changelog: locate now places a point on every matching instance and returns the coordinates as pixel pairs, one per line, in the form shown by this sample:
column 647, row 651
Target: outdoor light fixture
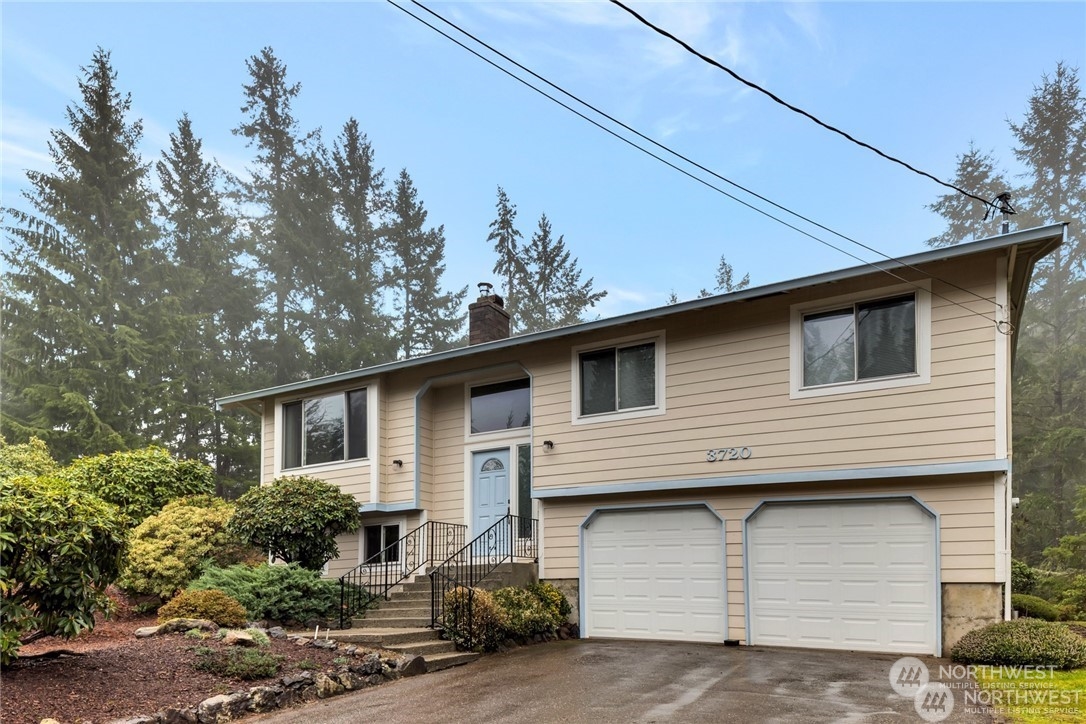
column 397, row 463
column 548, row 445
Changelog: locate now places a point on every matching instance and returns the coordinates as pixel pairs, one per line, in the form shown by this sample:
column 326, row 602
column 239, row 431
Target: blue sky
column 919, row 80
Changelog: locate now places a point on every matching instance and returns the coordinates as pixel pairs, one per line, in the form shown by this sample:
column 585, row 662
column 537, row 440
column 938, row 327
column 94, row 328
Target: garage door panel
column 848, row 578
column 667, row 579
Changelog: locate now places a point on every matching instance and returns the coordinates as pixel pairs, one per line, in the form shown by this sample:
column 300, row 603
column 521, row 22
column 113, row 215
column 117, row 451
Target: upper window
column 857, row 343
column 501, row 406
column 860, row 342
column 618, row 378
column 325, row 429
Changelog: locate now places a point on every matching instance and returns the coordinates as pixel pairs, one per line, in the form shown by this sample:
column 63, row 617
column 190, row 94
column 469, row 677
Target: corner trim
column 802, row 477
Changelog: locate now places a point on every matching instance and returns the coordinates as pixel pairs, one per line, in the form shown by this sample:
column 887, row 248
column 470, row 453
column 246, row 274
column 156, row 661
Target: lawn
column 1056, row 696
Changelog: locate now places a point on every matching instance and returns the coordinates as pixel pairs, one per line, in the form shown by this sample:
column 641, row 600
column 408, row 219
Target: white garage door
column 655, row 574
column 843, row 575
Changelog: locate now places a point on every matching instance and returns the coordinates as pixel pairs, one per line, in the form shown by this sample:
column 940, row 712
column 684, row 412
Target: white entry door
column 655, row 573
column 857, row 575
column 490, row 489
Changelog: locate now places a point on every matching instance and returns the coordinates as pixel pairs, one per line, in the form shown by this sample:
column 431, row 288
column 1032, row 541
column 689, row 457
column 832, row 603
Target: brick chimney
column 487, row 318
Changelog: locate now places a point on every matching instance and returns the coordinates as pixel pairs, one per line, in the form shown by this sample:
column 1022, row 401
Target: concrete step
column 394, row 622
column 437, row 662
column 425, row 648
column 394, row 611
column 387, row 638
column 402, row 601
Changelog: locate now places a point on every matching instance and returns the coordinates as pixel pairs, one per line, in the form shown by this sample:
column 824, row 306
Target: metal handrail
column 509, row 538
column 430, row 543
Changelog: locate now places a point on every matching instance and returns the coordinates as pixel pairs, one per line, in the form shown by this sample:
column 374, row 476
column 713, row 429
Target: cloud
column 807, row 18
column 623, row 301
column 46, row 68
column 25, row 140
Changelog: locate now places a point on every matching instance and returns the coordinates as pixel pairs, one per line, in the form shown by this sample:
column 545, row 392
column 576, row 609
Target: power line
column 750, row 84
column 678, row 155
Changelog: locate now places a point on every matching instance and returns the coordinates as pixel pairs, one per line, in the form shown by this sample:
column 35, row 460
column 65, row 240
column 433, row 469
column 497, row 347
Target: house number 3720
column 728, row 453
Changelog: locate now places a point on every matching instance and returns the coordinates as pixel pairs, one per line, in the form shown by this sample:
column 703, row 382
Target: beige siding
column 399, row 484
column 449, row 474
column 268, row 449
column 966, row 526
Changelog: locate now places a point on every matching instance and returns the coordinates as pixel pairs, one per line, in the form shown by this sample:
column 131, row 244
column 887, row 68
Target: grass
column 1056, row 696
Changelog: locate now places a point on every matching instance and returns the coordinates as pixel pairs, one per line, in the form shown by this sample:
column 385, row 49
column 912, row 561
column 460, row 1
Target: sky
column 919, row 80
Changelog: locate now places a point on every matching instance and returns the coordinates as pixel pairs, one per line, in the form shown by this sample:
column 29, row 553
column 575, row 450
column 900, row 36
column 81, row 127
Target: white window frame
column 657, row 408
column 922, row 375
column 383, row 522
column 372, row 398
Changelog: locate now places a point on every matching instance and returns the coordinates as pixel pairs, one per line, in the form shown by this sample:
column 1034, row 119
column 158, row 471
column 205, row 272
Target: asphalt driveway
column 598, row 681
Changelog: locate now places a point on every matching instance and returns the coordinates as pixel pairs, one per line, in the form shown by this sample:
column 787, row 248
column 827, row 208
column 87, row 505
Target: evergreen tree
column 968, row 219
column 552, row 293
column 88, row 325
column 429, row 319
column 1050, row 375
column 725, row 280
column 282, row 251
column 218, row 295
column 356, row 331
column 504, row 235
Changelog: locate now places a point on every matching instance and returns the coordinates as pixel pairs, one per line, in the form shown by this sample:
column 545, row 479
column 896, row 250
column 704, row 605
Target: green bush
column 1024, row 642
column 207, row 604
column 482, row 629
column 245, row 664
column 1034, row 607
column 59, row 549
column 553, row 600
column 523, row 613
column 283, row 593
column 1023, row 577
column 140, row 482
column 296, row 519
column 169, row 549
column 29, row 458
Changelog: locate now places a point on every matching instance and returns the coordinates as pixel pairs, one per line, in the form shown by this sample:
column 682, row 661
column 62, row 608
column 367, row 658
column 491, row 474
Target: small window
column 501, row 406
column 380, row 543
column 324, row 429
column 863, row 341
column 618, row 378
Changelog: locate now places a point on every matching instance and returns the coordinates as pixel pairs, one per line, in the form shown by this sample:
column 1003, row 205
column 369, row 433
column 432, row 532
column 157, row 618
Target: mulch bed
column 110, row 674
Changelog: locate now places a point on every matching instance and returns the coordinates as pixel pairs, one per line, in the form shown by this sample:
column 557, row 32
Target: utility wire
column 800, row 111
column 688, row 160
column 680, row 169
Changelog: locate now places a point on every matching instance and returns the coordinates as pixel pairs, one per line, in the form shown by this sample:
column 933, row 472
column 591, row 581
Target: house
column 824, row 462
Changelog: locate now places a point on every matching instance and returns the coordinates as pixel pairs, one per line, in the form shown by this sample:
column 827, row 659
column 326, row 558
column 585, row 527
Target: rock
column 178, row 716
column 184, row 624
column 277, row 632
column 324, row 644
column 350, row 681
column 574, row 631
column 48, row 721
column 413, row 666
column 563, row 633
column 301, row 642
column 141, row 633
column 297, row 680
column 208, row 710
column 264, row 698
column 135, row 720
column 374, row 679
column 538, row 639
column 350, row 650
column 239, row 638
column 327, row 686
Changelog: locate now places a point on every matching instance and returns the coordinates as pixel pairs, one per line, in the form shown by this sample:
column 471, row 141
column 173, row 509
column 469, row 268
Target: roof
column 1033, row 244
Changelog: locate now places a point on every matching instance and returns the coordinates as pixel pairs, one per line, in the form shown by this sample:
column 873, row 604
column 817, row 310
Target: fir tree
column 552, row 293
column 968, row 219
column 88, row 323
column 509, row 265
column 429, row 319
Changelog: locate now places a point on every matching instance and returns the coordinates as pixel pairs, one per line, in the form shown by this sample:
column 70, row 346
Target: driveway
column 598, row 681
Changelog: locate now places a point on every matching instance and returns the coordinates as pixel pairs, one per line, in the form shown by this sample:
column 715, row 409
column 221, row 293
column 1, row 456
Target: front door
column 490, row 489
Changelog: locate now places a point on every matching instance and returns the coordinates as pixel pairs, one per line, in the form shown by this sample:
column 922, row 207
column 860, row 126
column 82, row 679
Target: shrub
column 553, row 600
column 59, row 549
column 523, row 613
column 1034, row 607
column 483, row 629
column 209, row 604
column 1023, row 577
column 296, row 519
column 281, row 593
column 245, row 664
column 1024, row 642
column 169, row 549
column 140, row 482
column 29, row 458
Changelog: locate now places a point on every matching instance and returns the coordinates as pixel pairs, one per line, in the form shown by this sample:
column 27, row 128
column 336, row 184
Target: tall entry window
column 501, row 406
column 329, row 428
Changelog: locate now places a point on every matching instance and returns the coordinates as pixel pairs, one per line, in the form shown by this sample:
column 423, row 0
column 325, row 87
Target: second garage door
column 655, row 573
column 843, row 575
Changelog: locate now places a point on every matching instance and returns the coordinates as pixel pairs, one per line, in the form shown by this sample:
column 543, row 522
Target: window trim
column 922, row 376
column 383, row 522
column 657, row 408
column 280, row 428
column 496, row 434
